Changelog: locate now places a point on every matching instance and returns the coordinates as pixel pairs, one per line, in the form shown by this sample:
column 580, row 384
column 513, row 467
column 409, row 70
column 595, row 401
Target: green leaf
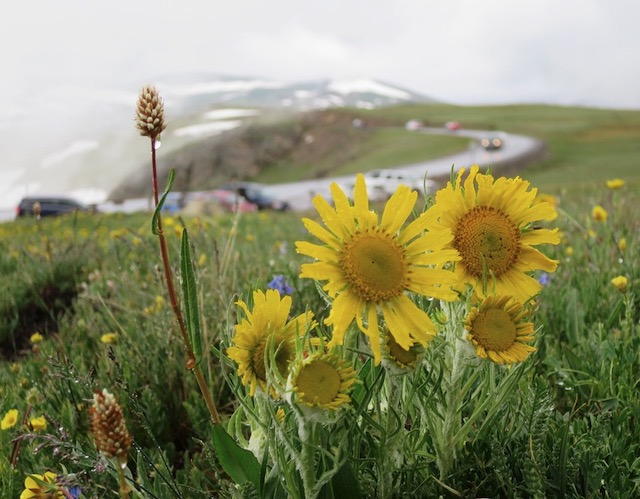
column 190, row 296
column 156, row 212
column 240, row 464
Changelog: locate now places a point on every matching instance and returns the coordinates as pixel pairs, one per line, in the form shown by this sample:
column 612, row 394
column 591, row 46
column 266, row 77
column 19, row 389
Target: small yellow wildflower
column 42, row 486
column 622, row 244
column 108, row 338
column 39, row 423
column 36, row 338
column 599, row 214
column 620, row 282
column 569, row 250
column 615, row 183
column 10, row 419
column 202, row 259
column 250, row 238
column 15, row 368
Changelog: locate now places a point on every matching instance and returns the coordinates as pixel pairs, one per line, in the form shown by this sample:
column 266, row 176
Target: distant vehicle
column 453, row 126
column 228, row 200
column 49, row 206
column 491, row 143
column 413, row 125
column 258, row 194
column 388, row 180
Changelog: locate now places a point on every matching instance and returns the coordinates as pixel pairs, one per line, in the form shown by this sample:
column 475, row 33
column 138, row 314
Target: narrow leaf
column 240, row 464
column 190, row 296
column 156, row 212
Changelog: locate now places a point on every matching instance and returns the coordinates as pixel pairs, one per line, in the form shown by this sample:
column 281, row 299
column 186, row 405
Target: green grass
column 585, row 146
column 569, row 430
column 368, row 149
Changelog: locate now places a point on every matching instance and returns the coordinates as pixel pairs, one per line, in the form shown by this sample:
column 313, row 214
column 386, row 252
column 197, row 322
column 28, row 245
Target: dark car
column 492, row 143
column 258, row 194
column 48, row 206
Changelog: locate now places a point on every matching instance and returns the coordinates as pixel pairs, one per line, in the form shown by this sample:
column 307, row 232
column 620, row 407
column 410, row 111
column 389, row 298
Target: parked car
column 47, row 206
column 388, row 181
column 228, row 200
column 491, row 143
column 453, row 126
column 414, row 125
column 258, row 194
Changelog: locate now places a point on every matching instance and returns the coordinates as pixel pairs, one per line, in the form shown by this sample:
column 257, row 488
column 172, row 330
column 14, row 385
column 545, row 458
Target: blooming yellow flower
column 322, row 380
column 615, row 183
column 36, row 338
column 499, row 331
column 569, row 250
column 622, row 244
column 39, row 423
column 599, row 214
column 397, row 358
column 620, row 282
column 39, row 486
column 493, row 233
column 370, row 265
column 10, row 419
column 264, row 328
column 108, row 338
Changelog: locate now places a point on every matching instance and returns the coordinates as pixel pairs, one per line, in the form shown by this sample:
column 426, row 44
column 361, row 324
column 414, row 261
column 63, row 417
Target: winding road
column 516, row 150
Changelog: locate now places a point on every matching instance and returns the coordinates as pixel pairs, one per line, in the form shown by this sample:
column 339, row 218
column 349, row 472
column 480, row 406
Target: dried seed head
column 150, row 112
column 107, row 423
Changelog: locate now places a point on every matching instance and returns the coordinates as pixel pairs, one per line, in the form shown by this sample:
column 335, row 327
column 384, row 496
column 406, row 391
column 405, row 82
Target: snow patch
column 205, row 129
column 365, row 85
column 225, row 114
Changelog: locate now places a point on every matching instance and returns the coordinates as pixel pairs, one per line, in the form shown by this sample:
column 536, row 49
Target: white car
column 388, row 181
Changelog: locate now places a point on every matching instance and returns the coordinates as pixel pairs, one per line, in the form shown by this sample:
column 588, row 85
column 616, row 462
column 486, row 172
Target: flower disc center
column 494, row 330
column 374, row 264
column 319, row 383
column 487, row 238
column 283, row 356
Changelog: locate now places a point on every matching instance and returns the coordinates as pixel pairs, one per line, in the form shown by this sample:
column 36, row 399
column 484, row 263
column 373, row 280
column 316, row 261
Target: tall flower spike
column 150, row 112
column 109, row 430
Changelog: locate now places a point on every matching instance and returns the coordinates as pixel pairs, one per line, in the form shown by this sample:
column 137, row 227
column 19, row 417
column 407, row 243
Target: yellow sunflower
column 499, row 330
column 266, row 327
column 370, row 264
column 493, row 232
column 397, row 358
column 322, row 380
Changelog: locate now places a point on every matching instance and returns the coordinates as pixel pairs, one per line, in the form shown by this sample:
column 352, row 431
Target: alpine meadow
column 480, row 340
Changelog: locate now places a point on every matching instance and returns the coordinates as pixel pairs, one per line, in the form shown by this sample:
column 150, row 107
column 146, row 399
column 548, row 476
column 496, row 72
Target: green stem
column 391, row 438
column 173, row 297
column 451, row 421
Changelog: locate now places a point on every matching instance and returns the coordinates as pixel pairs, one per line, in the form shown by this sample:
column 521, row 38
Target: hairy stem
column 173, row 297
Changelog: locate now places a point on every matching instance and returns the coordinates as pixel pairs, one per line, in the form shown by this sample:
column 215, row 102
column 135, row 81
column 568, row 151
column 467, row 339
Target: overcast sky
column 584, row 52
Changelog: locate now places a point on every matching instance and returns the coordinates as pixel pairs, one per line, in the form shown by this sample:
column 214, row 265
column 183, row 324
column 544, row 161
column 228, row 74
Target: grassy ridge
column 582, row 404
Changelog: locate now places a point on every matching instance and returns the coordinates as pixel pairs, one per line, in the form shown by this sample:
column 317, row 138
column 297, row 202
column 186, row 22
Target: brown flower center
column 486, row 238
column 283, row 356
column 374, row 264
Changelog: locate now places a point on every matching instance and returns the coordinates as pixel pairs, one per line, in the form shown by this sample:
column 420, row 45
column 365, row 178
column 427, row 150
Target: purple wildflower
column 280, row 283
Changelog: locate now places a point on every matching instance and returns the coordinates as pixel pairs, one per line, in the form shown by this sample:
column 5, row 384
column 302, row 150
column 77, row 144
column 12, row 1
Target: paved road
column 516, row 148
